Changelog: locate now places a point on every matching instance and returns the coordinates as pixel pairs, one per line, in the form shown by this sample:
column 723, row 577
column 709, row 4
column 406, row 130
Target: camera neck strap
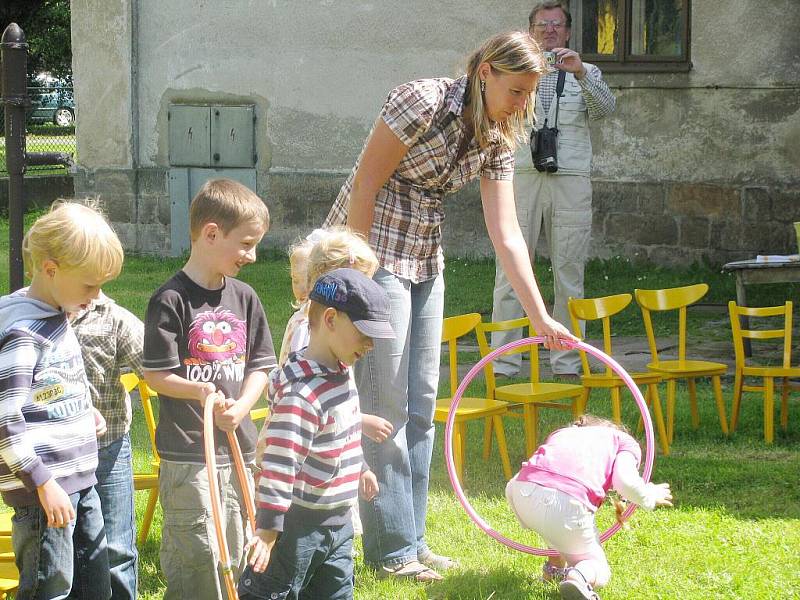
column 562, row 75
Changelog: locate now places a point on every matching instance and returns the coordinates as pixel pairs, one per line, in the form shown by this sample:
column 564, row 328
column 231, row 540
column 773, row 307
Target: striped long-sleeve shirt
column 312, row 459
column 46, row 418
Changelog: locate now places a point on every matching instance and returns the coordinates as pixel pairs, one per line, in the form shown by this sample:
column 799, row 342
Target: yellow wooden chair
column 531, row 395
column 672, row 370
column 469, row 408
column 767, row 373
column 592, row 309
column 9, row 578
column 146, row 481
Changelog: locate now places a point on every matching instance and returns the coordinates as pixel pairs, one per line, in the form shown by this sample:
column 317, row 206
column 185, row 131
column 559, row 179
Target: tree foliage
column 46, row 24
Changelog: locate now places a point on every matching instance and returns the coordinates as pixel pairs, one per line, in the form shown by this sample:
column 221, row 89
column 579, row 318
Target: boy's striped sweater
column 46, row 418
column 313, row 454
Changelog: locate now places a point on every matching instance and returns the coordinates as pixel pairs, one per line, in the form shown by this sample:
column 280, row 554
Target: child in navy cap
column 312, row 467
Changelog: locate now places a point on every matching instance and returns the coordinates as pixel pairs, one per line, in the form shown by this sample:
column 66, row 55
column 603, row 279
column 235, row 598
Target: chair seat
column 145, row 481
column 601, row 380
column 9, row 577
column 696, row 368
column 469, row 408
column 526, row 393
column 771, row 371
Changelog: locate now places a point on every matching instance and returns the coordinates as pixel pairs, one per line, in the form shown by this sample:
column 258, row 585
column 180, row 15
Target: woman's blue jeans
column 398, row 381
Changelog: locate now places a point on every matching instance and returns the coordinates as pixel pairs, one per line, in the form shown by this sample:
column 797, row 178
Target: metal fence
column 50, row 126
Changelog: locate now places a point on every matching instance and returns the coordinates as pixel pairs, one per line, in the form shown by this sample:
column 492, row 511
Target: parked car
column 52, row 104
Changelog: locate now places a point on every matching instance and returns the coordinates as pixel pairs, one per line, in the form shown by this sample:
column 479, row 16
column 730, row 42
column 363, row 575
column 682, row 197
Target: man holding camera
column 556, row 190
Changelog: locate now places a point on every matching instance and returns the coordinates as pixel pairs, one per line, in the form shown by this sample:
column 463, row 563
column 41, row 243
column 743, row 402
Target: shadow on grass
column 495, row 583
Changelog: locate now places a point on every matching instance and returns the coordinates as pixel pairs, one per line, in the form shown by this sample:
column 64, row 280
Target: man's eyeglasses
column 554, row 23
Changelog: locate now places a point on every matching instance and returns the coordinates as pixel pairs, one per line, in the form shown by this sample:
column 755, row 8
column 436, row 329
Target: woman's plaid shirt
column 406, row 231
column 111, row 341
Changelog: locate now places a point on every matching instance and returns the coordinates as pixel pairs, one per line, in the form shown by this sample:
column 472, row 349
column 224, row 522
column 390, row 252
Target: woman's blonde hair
column 513, row 52
column 75, row 236
column 340, row 247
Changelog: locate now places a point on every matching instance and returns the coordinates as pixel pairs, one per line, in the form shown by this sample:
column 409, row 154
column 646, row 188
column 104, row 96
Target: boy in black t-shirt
column 206, row 331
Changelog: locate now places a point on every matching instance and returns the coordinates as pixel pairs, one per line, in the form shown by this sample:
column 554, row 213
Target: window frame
column 623, row 61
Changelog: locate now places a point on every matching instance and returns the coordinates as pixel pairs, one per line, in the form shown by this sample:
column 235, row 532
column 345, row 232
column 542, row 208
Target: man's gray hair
column 544, row 4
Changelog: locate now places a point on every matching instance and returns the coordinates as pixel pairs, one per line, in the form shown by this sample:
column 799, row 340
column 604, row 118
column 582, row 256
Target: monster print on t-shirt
column 217, row 347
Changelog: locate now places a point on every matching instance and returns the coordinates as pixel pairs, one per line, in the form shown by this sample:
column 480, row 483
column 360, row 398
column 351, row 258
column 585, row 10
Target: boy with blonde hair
column 48, row 427
column 313, row 468
column 205, row 331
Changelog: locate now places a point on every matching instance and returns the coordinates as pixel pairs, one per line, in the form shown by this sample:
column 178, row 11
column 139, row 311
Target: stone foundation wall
column 666, row 223
column 681, row 223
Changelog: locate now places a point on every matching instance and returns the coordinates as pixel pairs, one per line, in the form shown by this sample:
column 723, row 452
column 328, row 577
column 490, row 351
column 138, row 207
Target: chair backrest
column 483, row 344
column 735, row 311
column 452, row 329
column 592, row 309
column 130, row 381
column 668, row 299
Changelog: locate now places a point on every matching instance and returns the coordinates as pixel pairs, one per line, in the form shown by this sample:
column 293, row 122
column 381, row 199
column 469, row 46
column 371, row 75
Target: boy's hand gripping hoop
column 448, row 432
column 213, row 489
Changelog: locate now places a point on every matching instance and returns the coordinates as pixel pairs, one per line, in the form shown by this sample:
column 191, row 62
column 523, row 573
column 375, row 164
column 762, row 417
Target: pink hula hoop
column 448, row 432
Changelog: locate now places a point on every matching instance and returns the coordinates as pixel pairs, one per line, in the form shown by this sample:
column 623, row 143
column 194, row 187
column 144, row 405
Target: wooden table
column 750, row 272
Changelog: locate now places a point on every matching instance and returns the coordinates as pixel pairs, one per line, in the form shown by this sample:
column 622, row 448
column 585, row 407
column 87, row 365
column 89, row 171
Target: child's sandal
column 550, row 572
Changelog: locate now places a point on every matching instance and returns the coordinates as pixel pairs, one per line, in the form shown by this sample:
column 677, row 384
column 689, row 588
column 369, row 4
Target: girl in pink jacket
column 558, row 491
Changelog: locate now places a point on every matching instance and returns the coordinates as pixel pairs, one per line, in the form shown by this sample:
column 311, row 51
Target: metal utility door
column 232, row 136
column 189, row 136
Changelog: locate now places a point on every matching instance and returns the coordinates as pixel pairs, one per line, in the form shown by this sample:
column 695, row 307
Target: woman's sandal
column 437, row 561
column 414, row 570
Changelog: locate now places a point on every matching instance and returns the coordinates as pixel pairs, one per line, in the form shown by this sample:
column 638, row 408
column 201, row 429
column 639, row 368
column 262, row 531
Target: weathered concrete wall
column 705, row 163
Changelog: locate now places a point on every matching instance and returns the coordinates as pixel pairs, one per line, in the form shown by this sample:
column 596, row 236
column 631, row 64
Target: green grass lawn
column 735, row 529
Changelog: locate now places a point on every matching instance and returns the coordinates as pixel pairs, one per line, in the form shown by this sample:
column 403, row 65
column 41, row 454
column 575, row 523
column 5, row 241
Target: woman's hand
column 553, row 332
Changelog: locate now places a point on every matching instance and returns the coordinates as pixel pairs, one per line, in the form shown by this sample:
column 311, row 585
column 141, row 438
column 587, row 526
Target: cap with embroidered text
column 363, row 300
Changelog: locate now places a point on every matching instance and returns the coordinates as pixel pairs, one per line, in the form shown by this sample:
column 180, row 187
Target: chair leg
column 502, row 448
column 670, row 410
column 583, row 401
column 785, row 404
column 655, row 402
column 738, row 382
column 147, row 518
column 616, row 406
column 531, row 418
column 723, row 419
column 487, row 438
column 458, row 450
column 692, row 384
column 769, row 409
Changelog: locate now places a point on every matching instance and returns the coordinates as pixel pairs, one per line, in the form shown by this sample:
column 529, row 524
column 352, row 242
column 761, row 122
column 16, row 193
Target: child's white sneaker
column 573, row 588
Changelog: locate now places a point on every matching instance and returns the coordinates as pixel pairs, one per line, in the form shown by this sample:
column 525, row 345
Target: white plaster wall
column 318, row 71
